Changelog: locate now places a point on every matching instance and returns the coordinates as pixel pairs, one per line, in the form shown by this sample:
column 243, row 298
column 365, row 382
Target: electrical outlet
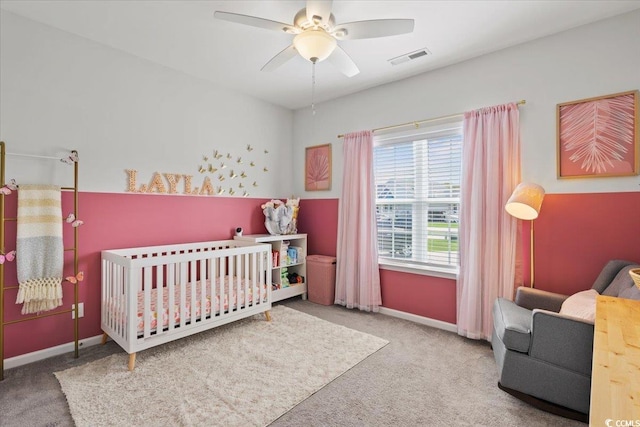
column 80, row 310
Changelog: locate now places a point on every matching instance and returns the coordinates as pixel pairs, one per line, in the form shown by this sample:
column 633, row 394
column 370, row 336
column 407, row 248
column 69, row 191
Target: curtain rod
column 417, row 123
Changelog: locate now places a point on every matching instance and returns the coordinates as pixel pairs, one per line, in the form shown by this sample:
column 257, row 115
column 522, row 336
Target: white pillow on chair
column 581, row 305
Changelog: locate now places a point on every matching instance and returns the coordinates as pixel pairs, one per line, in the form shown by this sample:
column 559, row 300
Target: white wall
column 597, row 59
column 59, row 92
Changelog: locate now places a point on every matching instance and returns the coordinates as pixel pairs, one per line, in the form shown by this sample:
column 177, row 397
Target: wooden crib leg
column 105, row 337
column 267, row 314
column 132, row 361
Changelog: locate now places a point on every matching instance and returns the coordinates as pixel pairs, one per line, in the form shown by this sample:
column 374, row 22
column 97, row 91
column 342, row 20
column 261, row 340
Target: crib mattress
column 229, row 302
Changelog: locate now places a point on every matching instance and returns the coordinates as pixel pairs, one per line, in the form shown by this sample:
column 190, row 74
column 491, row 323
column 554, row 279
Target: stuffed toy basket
column 635, row 275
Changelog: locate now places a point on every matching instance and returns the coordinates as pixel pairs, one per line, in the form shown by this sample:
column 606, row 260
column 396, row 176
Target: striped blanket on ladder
column 39, row 248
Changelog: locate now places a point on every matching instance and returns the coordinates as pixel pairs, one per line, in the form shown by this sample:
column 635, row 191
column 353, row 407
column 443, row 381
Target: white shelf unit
column 300, row 267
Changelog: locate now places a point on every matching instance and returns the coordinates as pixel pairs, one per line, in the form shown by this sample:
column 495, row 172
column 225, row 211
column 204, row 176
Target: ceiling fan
column 316, row 34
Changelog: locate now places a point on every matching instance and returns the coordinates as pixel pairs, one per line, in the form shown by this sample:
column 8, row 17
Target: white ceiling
column 184, row 36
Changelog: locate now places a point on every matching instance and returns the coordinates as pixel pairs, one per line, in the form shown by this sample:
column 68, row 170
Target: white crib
column 153, row 295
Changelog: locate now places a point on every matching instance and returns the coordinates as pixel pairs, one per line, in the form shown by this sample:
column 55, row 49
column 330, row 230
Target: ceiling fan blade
column 256, row 22
column 373, row 28
column 319, row 11
column 280, row 59
column 343, row 62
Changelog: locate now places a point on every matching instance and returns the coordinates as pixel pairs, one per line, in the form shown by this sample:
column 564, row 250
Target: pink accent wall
column 427, row 296
column 114, row 221
column 320, row 218
column 575, row 235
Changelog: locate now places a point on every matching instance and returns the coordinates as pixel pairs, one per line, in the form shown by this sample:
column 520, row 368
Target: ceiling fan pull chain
column 313, row 88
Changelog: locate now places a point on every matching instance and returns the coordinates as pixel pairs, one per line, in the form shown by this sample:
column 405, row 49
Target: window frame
column 391, row 137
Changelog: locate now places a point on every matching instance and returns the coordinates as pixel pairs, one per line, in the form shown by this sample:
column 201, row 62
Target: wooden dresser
column 615, row 380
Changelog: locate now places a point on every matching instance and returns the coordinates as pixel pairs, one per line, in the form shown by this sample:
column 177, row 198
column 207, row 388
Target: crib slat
column 171, row 290
column 203, row 289
column 106, row 278
column 147, row 313
column 214, row 280
column 257, row 283
column 238, row 279
column 258, row 280
column 234, row 278
column 266, row 272
column 230, row 291
column 224, row 288
column 183, row 293
column 116, row 294
column 118, row 298
column 210, row 287
column 194, row 286
column 245, row 279
column 159, row 300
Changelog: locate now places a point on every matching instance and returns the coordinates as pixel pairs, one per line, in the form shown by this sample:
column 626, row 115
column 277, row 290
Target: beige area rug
column 247, row 373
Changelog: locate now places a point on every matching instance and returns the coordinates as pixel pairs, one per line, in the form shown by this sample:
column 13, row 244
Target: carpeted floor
column 423, row 377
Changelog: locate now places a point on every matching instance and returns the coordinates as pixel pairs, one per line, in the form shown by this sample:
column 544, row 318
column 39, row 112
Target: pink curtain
column 357, row 274
column 488, row 234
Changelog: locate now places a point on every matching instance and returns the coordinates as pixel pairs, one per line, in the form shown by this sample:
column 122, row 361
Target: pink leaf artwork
column 318, row 168
column 598, row 136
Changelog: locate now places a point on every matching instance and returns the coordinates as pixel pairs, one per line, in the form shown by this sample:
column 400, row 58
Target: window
column 417, row 178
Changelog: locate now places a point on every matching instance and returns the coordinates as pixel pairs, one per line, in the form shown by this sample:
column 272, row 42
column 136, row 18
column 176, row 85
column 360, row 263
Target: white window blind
column 417, row 177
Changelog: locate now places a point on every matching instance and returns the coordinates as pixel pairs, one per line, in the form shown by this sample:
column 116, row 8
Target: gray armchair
column 543, row 357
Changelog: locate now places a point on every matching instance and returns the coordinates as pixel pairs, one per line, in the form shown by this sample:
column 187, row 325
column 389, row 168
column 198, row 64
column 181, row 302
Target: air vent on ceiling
column 409, row 56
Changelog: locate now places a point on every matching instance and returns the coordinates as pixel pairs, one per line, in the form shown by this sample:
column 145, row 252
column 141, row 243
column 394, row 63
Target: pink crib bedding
column 228, row 298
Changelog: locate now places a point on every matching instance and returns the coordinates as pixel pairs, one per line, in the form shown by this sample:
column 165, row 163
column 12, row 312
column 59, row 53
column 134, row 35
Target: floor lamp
column 525, row 203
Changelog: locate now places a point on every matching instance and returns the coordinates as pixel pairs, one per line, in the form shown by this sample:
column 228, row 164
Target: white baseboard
column 46, row 353
column 439, row 324
column 24, row 359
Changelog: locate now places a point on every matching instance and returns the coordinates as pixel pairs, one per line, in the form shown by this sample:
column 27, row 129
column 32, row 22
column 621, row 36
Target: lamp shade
column 525, row 201
column 314, row 45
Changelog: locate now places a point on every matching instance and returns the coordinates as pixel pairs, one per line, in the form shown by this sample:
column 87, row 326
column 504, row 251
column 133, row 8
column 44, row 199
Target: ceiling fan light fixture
column 314, row 45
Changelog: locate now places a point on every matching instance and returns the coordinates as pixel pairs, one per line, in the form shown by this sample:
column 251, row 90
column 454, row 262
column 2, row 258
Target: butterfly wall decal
column 216, row 155
column 249, row 147
column 71, row 219
column 9, row 256
column 9, row 187
column 75, row 279
column 212, row 169
column 70, row 159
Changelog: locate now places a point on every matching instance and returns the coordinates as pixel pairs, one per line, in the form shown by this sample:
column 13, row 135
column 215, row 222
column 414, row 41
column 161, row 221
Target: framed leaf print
column 317, row 168
column 598, row 137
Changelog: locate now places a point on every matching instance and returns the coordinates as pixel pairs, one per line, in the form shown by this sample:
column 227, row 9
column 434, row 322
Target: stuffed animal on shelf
column 277, row 216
